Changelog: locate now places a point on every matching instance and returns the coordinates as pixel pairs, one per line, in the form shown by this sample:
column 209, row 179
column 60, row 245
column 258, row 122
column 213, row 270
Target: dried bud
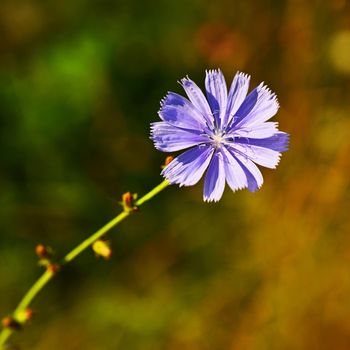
column 25, row 315
column 128, row 200
column 42, row 251
column 10, row 322
column 53, row 268
column 102, row 248
column 167, row 161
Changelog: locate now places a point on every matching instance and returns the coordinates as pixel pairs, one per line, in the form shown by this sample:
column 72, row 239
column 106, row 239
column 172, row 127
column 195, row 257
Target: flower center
column 218, row 139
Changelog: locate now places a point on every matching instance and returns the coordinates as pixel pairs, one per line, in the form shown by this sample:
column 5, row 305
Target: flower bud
column 53, row 268
column 168, row 160
column 25, row 315
column 102, row 248
column 42, row 251
column 11, row 323
column 128, row 200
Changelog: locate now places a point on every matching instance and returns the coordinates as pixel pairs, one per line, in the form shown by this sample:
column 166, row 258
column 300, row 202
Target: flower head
column 226, row 132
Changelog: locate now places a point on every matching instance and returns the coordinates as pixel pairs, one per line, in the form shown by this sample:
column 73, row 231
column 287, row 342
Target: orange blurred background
column 80, row 83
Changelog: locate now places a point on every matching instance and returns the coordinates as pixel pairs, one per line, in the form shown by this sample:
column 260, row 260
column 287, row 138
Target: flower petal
column 252, row 172
column 198, row 99
column 263, row 156
column 189, row 167
column 259, row 131
column 180, row 116
column 168, row 138
column 216, row 90
column 237, row 94
column 259, row 106
column 235, row 176
column 214, row 183
column 179, row 111
column 278, row 142
column 174, row 99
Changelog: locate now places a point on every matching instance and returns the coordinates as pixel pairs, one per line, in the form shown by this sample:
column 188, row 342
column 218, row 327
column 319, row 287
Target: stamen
column 218, row 139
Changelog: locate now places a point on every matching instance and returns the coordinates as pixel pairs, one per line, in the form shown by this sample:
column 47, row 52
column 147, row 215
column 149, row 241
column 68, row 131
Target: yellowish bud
column 102, row 248
column 25, row 315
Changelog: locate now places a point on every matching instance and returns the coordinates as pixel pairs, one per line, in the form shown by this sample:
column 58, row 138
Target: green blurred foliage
column 80, row 81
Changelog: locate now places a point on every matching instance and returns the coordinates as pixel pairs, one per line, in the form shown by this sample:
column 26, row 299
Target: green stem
column 48, row 274
column 87, row 243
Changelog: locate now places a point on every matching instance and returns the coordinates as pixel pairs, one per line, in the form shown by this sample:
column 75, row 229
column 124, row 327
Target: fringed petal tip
column 185, row 80
column 164, row 99
column 213, row 71
column 243, row 75
column 210, row 200
column 286, row 141
column 173, row 99
column 218, row 70
column 254, row 189
column 278, row 142
column 268, row 92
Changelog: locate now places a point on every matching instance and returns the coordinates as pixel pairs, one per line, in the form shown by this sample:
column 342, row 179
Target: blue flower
column 226, row 133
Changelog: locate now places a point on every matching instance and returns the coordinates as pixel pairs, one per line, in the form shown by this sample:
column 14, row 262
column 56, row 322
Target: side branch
column 17, row 320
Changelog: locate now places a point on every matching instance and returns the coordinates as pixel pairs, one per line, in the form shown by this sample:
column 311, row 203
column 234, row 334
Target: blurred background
column 80, row 82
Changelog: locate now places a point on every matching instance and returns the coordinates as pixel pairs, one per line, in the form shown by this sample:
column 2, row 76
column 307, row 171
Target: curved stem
column 48, row 274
